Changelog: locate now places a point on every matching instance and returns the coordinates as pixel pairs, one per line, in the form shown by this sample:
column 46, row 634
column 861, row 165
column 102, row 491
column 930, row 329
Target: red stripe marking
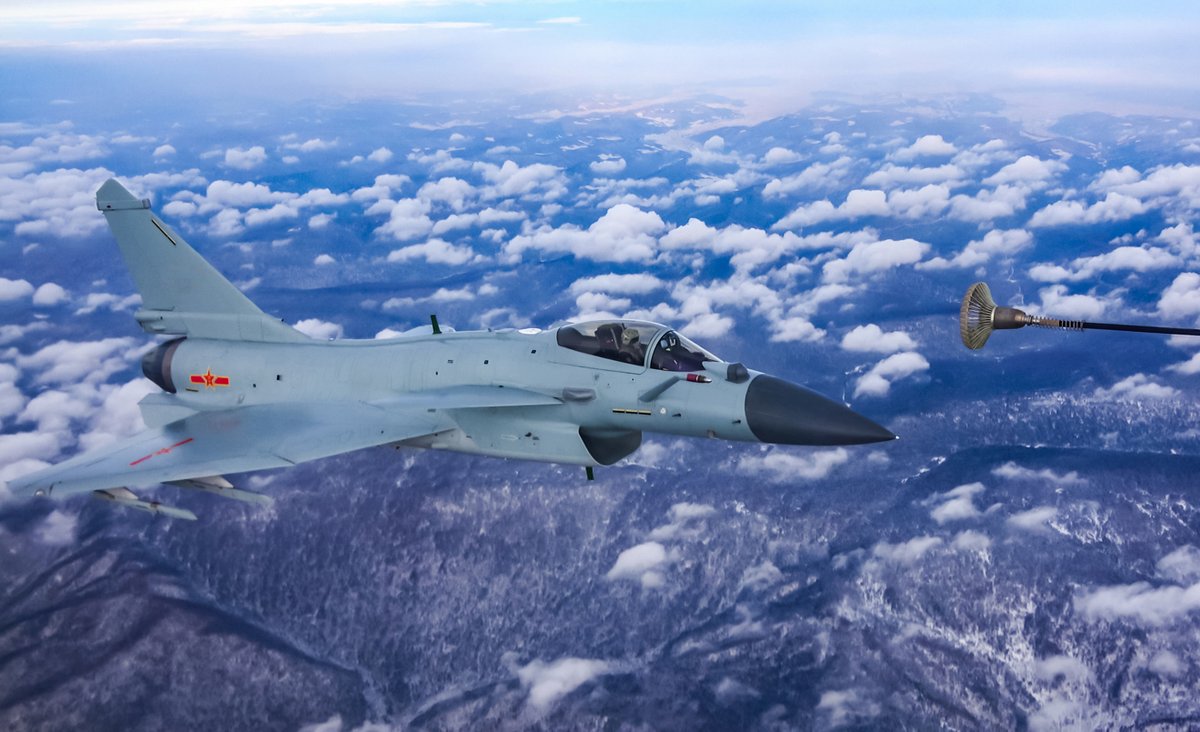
column 197, row 379
column 221, row 381
column 161, row 451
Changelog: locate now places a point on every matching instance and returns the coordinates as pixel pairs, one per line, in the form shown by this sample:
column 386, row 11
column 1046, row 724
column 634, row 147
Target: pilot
column 632, row 350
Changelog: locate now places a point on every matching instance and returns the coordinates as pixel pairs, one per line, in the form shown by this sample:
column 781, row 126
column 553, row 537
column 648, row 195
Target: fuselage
column 602, row 404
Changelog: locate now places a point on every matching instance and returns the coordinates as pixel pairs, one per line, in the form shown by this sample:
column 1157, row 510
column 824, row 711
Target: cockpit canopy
column 628, row 341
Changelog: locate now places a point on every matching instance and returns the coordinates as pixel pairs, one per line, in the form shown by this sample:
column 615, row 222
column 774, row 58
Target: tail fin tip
column 112, row 196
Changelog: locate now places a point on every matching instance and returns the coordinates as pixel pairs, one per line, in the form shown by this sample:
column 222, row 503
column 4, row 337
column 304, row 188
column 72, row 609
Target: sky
column 1046, row 58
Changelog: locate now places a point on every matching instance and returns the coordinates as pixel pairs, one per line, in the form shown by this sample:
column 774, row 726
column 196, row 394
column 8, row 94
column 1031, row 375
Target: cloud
column 1011, row 471
column 858, row 203
column 115, row 413
column 622, row 284
column 380, row 155
column 315, row 144
column 53, row 146
column 815, row 176
column 761, row 576
column 642, row 563
column 683, row 518
column 319, row 329
column 919, row 203
column 54, row 411
column 1166, row 664
column 795, row 329
column 1058, row 304
column 891, row 175
column 115, row 303
column 1114, row 207
column 245, row 158
column 622, row 234
column 1034, row 519
column 1140, row 603
column 548, row 683
column 20, row 450
column 1138, row 259
column 14, row 289
column 442, row 294
column 454, row 192
column 407, row 219
column 970, row 541
column 1136, row 387
column 486, row 217
column 730, row 691
column 871, row 338
column 1181, row 565
column 876, row 256
column 381, row 188
column 58, row 203
column 780, row 156
column 12, row 400
column 537, row 181
column 49, row 294
column 69, row 362
column 997, row 242
column 846, row 707
column 608, row 165
column 180, row 209
column 1160, row 185
column 905, row 553
column 164, row 151
column 878, row 381
column 321, row 221
column 58, row 529
column 781, row 466
column 1182, row 297
column 227, row 193
column 753, row 247
column 926, row 146
column 1189, row 367
column 958, row 505
column 1026, row 169
column 599, row 306
column 434, row 251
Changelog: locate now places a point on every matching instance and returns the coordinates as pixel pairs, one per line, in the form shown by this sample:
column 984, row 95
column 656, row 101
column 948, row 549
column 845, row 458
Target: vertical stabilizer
column 181, row 293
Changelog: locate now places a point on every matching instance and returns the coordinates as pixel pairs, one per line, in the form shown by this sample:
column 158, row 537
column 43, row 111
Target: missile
column 980, row 315
column 218, row 486
column 128, row 499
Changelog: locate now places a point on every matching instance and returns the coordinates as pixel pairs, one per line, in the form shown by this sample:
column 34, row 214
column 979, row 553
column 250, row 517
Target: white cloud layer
column 879, row 379
column 871, row 338
column 782, row 466
column 642, row 563
column 622, row 234
column 548, row 683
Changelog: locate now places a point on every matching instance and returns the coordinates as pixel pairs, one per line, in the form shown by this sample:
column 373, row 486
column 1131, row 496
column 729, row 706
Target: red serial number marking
column 163, row 451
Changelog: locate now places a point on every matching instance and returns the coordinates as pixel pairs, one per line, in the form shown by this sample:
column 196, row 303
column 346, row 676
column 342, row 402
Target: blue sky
column 1116, row 56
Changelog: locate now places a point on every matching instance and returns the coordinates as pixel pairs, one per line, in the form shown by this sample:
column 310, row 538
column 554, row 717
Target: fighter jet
column 243, row 391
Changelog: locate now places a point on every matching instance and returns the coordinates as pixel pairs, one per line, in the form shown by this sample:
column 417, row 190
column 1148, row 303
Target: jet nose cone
column 783, row 413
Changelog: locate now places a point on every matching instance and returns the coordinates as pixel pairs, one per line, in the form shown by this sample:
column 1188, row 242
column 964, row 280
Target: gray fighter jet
column 243, row 391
